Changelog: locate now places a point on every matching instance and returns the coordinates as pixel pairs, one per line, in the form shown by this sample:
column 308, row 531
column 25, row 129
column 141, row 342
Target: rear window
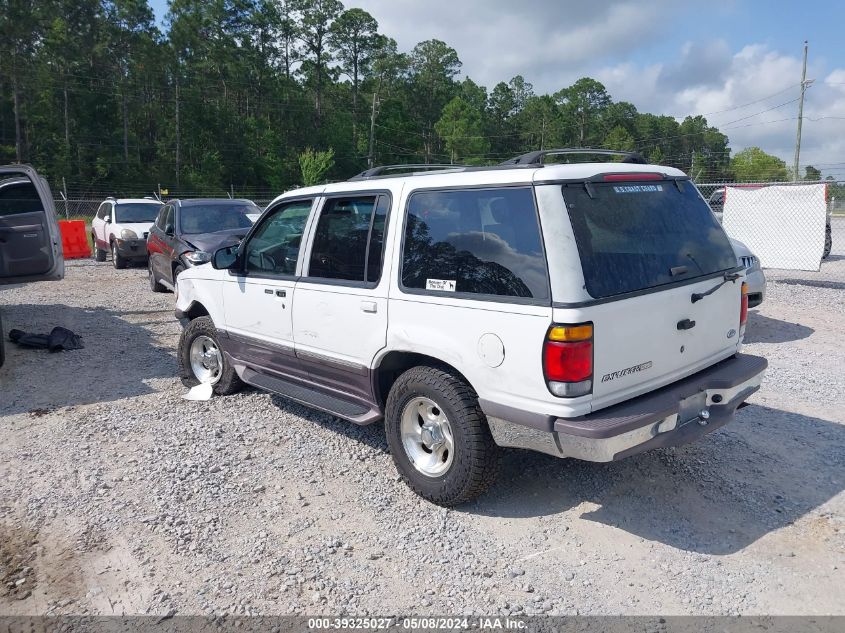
column 637, row 235
column 200, row 218
column 130, row 212
column 475, row 241
column 19, row 195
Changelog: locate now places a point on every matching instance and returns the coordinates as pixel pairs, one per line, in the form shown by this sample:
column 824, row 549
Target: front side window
column 274, row 247
column 349, row 239
column 210, row 218
column 101, row 212
column 638, row 235
column 131, row 212
column 475, row 241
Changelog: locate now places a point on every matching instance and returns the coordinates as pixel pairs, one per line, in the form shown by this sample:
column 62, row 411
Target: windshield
column 130, row 212
column 210, row 218
column 637, row 235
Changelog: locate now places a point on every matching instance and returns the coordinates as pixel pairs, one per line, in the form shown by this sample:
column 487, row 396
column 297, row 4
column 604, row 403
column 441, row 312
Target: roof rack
column 538, row 157
column 380, row 170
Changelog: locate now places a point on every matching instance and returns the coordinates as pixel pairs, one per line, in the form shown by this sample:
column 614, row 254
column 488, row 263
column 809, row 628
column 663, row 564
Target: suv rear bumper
column 670, row 416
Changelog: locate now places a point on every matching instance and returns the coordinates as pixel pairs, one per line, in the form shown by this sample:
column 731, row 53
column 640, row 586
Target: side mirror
column 168, row 229
column 107, row 219
column 224, row 258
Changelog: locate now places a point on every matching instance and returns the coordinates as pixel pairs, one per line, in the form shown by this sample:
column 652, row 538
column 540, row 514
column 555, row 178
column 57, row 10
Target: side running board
column 352, row 411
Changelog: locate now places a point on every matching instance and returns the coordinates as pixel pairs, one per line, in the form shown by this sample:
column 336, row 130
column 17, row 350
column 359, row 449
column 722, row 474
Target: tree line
column 251, row 94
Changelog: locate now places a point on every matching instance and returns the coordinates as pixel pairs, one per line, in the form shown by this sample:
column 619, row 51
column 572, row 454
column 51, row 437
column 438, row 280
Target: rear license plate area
column 690, row 408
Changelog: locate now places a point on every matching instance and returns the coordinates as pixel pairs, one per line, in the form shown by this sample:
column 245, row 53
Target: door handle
column 686, row 324
column 281, row 293
column 369, row 306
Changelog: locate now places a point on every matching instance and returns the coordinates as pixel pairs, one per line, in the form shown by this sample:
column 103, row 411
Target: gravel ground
column 118, row 496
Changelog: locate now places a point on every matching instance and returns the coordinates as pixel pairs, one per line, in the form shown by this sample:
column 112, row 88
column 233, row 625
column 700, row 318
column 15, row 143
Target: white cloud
column 552, row 43
column 740, row 93
column 548, row 42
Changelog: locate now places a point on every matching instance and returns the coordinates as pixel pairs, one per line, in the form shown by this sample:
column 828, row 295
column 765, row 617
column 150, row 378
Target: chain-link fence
column 795, row 230
column 780, row 223
column 86, row 208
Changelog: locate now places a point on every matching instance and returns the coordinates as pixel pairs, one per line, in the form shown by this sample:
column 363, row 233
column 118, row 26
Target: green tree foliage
column 315, row 165
column 460, row 128
column 754, row 165
column 229, row 94
column 354, row 36
column 584, row 102
column 811, row 173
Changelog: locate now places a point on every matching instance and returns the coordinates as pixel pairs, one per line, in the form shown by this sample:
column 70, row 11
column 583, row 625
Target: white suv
column 121, row 226
column 591, row 310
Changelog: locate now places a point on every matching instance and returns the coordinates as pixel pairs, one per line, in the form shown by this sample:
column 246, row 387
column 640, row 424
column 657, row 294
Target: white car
column 591, row 310
column 754, row 276
column 121, row 227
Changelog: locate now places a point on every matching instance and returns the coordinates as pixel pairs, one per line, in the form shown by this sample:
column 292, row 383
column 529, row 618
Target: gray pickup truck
column 30, row 241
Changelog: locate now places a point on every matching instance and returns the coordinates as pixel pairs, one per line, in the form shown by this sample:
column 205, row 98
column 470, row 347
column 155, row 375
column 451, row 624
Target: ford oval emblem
column 731, row 333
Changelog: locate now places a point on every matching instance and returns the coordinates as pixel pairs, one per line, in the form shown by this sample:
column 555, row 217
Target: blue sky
column 673, row 58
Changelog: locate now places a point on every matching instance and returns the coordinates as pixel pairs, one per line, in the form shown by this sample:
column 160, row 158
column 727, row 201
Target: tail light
column 568, row 360
column 743, row 310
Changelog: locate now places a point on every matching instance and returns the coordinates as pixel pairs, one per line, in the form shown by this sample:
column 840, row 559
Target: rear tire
column 154, row 285
column 99, row 253
column 117, row 260
column 456, row 461
column 225, row 381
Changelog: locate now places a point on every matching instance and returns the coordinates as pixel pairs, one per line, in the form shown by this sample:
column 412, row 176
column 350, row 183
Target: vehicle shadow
column 763, row 472
column 371, row 435
column 117, row 362
column 763, row 329
column 813, row 283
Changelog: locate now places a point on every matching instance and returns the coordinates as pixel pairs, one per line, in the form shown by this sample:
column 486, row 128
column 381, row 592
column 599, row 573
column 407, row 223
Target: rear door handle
column 686, row 324
column 369, row 306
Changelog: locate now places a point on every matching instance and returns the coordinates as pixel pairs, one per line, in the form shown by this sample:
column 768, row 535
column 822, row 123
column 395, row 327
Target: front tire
column 99, row 253
column 201, row 359
column 116, row 258
column 438, row 436
column 176, row 272
column 2, row 343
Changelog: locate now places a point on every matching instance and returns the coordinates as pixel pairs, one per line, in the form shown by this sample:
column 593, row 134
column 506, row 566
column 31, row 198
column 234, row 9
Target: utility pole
column 178, row 131
column 804, row 83
column 370, row 156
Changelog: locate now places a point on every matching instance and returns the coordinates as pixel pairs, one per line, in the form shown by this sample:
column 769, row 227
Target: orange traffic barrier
column 74, row 239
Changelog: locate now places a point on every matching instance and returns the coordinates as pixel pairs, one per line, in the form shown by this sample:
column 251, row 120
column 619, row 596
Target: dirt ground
column 118, row 496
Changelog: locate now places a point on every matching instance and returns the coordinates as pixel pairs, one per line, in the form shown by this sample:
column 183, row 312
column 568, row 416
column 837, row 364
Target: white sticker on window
column 443, row 285
column 638, row 188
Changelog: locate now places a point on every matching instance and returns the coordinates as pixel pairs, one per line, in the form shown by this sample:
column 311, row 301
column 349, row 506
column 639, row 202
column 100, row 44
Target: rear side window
column 349, row 239
column 637, row 235
column 475, row 241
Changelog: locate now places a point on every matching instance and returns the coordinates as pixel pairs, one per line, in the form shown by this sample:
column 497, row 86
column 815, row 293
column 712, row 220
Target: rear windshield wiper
column 698, row 296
